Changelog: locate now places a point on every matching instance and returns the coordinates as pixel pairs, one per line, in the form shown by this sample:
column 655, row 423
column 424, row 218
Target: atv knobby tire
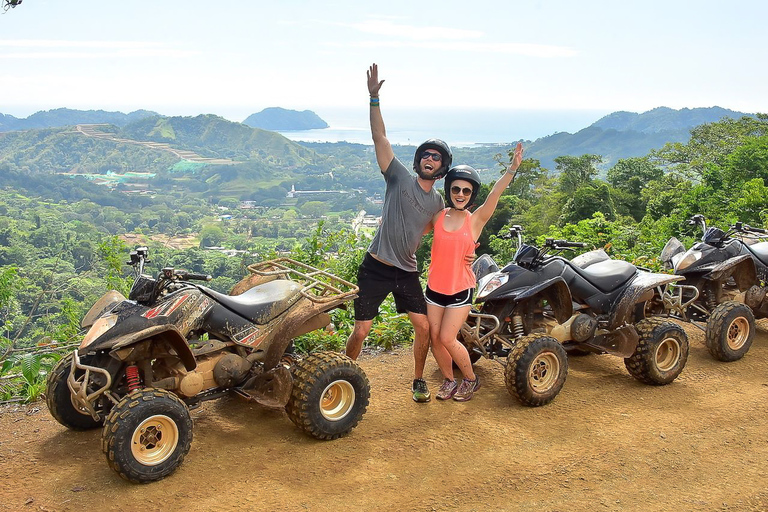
column 329, row 396
column 536, row 369
column 147, row 435
column 58, row 398
column 730, row 331
column 661, row 352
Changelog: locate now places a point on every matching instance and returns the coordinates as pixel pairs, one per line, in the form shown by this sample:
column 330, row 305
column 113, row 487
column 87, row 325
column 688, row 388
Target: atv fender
column 167, row 333
column 640, row 289
column 305, row 316
column 741, row 268
column 556, row 293
column 104, row 304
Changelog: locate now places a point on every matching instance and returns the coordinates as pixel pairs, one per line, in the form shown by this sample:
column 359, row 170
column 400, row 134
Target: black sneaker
column 421, row 391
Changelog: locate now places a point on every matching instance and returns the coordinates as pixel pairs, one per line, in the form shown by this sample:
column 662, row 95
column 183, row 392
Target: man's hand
column 373, row 81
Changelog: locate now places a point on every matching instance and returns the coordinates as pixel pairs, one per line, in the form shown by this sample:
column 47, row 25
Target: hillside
column 68, row 117
column 626, row 134
column 214, row 136
column 280, row 119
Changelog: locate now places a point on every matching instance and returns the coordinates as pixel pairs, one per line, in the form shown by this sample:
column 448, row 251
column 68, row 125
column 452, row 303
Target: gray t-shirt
column 407, row 211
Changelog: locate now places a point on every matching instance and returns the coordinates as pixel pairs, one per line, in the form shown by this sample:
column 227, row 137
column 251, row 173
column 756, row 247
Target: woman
column 451, row 282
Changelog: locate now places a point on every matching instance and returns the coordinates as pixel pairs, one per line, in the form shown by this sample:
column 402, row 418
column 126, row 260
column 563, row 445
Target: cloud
column 448, row 39
column 525, row 49
column 414, row 32
column 64, row 49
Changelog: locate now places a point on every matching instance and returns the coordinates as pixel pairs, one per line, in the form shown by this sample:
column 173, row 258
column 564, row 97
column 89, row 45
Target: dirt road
column 605, row 443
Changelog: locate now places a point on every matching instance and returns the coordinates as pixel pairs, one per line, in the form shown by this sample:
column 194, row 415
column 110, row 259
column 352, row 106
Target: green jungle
column 211, row 196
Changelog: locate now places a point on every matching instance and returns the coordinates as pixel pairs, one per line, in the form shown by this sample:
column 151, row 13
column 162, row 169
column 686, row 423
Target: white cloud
column 414, row 32
column 61, row 49
column 525, row 49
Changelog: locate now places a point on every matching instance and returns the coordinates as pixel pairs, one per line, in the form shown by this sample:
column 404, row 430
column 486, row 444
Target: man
column 389, row 266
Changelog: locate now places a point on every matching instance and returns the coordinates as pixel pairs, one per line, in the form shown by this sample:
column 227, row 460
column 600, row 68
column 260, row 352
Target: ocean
column 458, row 127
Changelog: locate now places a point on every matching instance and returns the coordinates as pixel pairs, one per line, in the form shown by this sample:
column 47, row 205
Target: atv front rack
column 317, row 285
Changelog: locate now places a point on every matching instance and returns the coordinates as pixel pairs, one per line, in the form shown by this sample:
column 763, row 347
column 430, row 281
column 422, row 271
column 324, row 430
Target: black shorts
column 457, row 300
column 377, row 280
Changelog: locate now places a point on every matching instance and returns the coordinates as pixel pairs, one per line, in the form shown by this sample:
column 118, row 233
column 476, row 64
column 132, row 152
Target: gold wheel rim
column 337, row 400
column 544, row 371
column 738, row 332
column 667, row 354
column 154, row 440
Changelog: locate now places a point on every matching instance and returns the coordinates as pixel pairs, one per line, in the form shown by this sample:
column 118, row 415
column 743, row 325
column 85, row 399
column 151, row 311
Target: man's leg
column 357, row 337
column 420, row 342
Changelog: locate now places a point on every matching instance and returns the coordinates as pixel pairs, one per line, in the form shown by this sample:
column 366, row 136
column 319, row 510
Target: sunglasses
column 435, row 156
column 464, row 191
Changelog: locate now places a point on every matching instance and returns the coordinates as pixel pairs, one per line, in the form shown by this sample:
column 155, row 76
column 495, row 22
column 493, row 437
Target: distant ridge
column 664, row 119
column 276, row 119
column 627, row 134
column 69, row 117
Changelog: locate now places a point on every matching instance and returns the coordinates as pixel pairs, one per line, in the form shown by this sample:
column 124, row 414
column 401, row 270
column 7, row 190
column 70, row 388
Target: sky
column 234, row 58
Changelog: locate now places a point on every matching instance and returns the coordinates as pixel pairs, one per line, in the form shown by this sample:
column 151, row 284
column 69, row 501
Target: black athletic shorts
column 457, row 300
column 377, row 280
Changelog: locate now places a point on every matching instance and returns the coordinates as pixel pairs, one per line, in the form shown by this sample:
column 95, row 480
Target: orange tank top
column 449, row 272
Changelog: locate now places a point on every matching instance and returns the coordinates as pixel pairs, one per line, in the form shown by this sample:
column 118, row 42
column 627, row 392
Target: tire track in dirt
column 606, row 442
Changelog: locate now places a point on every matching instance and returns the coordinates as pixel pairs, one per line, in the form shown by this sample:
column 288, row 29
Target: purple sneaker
column 467, row 389
column 447, row 390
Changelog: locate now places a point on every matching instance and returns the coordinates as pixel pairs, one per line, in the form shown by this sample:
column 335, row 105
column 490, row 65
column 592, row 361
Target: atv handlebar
column 564, row 244
column 191, row 276
column 172, row 274
column 746, row 228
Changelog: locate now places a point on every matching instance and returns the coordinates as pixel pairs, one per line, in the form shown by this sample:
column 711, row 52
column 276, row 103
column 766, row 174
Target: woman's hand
column 517, row 158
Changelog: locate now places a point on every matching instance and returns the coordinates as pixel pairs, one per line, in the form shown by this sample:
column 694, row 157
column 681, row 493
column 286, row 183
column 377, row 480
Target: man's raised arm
column 384, row 153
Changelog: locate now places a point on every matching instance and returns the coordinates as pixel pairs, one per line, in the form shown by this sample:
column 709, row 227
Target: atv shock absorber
column 711, row 299
column 132, row 377
column 517, row 326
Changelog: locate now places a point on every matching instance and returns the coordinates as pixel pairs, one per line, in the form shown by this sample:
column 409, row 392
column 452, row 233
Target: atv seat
column 760, row 250
column 607, row 275
column 261, row 303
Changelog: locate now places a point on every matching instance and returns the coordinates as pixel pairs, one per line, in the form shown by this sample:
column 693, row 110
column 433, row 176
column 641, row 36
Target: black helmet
column 439, row 146
column 466, row 173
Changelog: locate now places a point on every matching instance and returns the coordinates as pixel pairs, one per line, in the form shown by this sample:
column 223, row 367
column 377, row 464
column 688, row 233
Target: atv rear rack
column 317, row 285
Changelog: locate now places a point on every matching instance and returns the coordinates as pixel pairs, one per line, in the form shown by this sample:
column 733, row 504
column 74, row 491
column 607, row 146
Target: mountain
column 213, row 136
column 626, row 134
column 662, row 119
column 68, row 117
column 280, row 119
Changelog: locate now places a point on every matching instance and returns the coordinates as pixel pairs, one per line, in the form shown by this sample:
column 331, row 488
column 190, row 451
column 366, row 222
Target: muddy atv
column 174, row 344
column 724, row 289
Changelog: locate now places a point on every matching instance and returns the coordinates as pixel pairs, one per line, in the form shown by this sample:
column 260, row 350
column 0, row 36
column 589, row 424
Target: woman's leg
column 443, row 358
column 452, row 320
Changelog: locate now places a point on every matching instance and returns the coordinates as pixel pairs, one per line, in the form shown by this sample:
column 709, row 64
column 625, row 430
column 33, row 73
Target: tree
column 10, row 4
column 710, row 144
column 576, row 171
column 586, row 201
column 629, row 177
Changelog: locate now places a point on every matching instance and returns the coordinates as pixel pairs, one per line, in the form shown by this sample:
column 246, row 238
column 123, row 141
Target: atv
column 173, row 344
column 724, row 289
column 533, row 312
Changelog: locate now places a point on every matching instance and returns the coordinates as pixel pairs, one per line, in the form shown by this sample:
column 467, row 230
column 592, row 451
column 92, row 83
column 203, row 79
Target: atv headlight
column 688, row 259
column 489, row 283
column 98, row 328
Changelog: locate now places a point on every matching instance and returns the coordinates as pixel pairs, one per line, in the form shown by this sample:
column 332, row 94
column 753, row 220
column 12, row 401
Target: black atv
column 724, row 288
column 539, row 307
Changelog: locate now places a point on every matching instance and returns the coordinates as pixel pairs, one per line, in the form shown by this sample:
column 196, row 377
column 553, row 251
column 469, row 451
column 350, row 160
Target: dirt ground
column 607, row 443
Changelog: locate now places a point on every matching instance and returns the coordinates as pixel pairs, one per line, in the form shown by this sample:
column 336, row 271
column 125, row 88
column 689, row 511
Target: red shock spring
column 132, row 376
